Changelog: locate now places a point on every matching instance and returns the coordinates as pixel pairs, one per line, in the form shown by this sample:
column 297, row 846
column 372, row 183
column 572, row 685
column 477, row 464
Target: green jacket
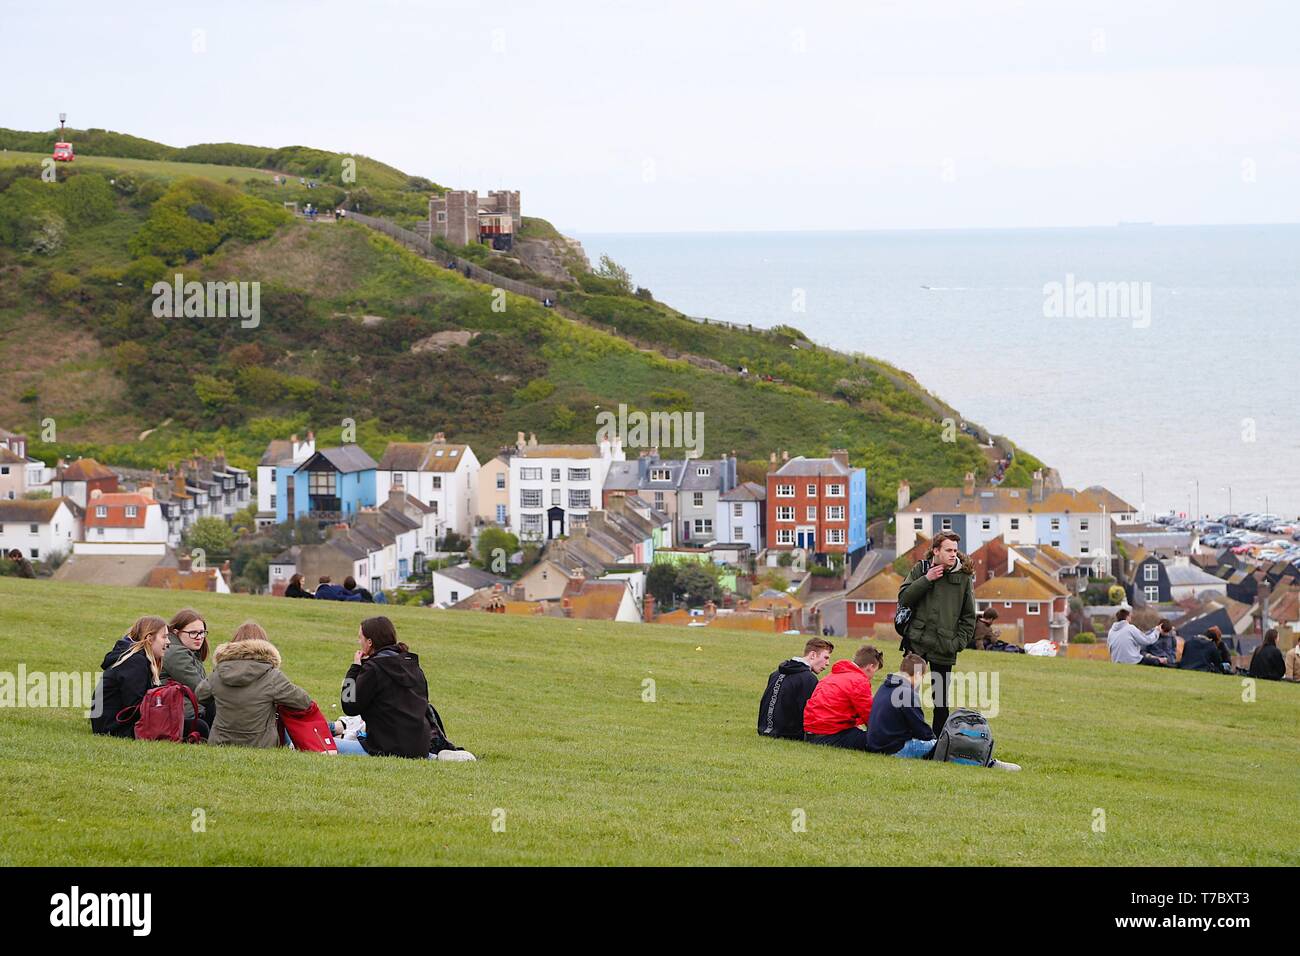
column 943, row 611
column 183, row 666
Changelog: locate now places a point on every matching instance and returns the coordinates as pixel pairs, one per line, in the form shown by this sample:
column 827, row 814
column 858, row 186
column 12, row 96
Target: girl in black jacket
column 295, row 588
column 130, row 669
column 387, row 688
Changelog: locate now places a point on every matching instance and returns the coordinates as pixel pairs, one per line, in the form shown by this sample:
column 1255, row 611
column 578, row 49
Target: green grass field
column 162, row 168
column 583, row 771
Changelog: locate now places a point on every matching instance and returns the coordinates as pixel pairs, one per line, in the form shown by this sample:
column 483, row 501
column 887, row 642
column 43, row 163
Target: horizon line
column 882, row 229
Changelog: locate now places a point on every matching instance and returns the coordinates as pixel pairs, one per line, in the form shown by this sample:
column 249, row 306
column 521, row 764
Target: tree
column 698, row 585
column 495, row 545
column 213, row 536
column 661, row 582
column 609, row 269
column 1115, row 594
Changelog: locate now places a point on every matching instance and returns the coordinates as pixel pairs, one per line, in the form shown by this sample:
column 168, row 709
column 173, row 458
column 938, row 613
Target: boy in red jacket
column 843, row 701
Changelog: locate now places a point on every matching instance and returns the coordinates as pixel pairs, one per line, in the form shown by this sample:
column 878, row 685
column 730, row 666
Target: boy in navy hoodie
column 898, row 725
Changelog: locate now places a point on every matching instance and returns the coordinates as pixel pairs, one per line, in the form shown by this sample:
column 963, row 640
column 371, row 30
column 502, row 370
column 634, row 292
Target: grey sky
column 665, row 116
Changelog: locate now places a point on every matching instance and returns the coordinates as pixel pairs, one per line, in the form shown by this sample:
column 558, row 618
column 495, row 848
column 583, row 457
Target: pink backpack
column 162, row 714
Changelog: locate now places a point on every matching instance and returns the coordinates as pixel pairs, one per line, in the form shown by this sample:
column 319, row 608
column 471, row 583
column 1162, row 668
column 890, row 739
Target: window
column 555, row 496
column 318, row 483
column 580, row 474
column 440, row 215
column 1056, row 524
column 1083, row 524
column 812, row 490
column 580, row 498
column 4, row 470
column 1031, row 608
column 1056, row 543
column 945, row 524
column 1151, row 594
column 532, row 524
column 434, row 505
column 501, row 514
column 834, row 535
column 272, row 502
column 100, row 532
column 501, row 481
column 455, row 596
column 834, row 512
column 101, row 511
column 865, row 607
column 555, row 474
column 834, row 491
column 437, row 482
column 659, row 500
column 703, row 472
column 785, row 491
column 918, row 524
column 34, row 529
column 661, row 474
column 1083, row 549
column 785, row 513
column 131, row 511
column 785, row 536
column 738, row 510
column 1015, row 524
column 36, row 553
column 703, row 526
column 738, row 533
column 530, row 474
column 577, row 520
column 986, row 524
column 697, row 499
column 399, row 479
column 1151, row 572
column 530, row 497
column 810, row 513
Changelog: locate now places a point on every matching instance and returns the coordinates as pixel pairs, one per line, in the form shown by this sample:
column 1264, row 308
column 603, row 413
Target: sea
column 1159, row 361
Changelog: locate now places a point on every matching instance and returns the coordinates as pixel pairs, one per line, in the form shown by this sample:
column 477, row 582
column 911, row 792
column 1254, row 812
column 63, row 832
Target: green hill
column 587, row 771
column 348, row 330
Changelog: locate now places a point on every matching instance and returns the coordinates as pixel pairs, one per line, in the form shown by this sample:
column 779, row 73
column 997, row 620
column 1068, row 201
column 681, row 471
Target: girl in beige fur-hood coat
column 248, row 685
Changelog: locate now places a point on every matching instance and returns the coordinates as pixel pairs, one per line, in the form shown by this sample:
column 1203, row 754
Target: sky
column 673, row 116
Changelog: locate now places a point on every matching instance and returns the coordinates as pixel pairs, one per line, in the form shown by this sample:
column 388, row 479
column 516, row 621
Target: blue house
column 332, row 485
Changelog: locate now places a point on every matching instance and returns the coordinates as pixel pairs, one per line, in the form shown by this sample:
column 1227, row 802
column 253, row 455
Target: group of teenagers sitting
column 385, row 697
column 831, row 711
column 327, row 590
column 1158, row 647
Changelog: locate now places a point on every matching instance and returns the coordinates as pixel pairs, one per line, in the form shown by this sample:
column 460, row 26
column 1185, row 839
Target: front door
column 554, row 522
column 806, row 538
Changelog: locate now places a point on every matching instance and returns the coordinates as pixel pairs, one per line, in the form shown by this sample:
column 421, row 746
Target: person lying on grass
column 843, row 701
column 897, row 725
column 780, row 709
column 247, row 684
column 386, row 687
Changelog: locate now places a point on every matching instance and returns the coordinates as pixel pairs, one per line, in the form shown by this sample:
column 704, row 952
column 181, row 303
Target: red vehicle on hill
column 63, row 153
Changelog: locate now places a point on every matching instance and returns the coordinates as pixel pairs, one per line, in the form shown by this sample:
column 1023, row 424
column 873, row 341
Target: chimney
column 648, row 608
column 184, row 563
column 440, row 437
column 968, row 484
column 96, row 493
column 841, row 455
column 904, row 494
column 1036, row 493
column 519, row 441
column 773, row 458
column 785, row 455
column 566, row 606
column 532, row 440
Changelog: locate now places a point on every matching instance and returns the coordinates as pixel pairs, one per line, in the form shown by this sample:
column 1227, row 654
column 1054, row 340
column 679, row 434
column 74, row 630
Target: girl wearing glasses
column 184, row 659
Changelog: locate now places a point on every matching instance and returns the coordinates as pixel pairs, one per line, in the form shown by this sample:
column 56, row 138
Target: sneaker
column 1003, row 765
column 466, row 755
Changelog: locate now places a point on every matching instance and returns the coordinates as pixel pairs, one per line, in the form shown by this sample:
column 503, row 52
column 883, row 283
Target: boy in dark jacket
column 780, row 710
column 897, row 723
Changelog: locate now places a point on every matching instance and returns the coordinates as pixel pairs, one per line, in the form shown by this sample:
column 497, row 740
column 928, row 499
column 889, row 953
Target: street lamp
column 1228, row 489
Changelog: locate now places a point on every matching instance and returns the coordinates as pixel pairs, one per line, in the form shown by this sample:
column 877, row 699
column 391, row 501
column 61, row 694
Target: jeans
column 917, row 749
column 350, row 747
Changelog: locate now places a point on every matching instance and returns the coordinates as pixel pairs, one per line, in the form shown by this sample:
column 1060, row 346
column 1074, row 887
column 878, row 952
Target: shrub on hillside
column 194, row 216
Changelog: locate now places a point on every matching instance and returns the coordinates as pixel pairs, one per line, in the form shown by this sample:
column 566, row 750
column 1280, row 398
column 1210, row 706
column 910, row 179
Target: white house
column 554, row 487
column 39, row 528
column 451, row 585
column 279, row 453
column 741, row 513
column 440, row 474
column 123, row 522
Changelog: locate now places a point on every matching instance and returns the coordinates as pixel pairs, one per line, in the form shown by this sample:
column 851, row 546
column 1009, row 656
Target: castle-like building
column 461, row 216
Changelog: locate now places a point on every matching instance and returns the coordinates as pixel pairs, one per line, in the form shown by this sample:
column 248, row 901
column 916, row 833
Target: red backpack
column 162, row 714
column 307, row 729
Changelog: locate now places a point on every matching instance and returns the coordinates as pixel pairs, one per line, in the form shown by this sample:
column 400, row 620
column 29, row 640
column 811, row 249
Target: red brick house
column 872, row 602
column 817, row 504
column 1029, row 595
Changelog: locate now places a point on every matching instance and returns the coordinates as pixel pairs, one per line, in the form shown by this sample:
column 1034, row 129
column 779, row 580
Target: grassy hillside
column 345, row 327
column 586, row 771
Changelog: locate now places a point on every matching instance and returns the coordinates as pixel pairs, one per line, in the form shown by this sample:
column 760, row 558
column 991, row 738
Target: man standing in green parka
column 940, row 591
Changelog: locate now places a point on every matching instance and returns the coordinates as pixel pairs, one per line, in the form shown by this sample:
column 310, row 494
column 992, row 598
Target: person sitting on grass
column 1267, row 662
column 184, row 659
column 1126, row 640
column 1164, row 651
column 1200, row 653
column 386, row 687
column 247, row 684
column 295, row 588
column 898, row 724
column 985, row 636
column 350, row 585
column 1293, row 664
column 130, row 669
column 843, row 701
column 780, row 710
